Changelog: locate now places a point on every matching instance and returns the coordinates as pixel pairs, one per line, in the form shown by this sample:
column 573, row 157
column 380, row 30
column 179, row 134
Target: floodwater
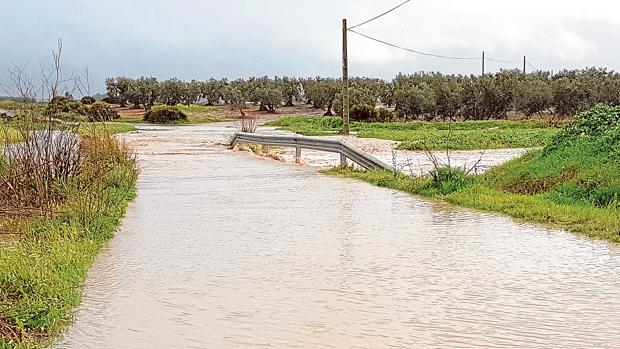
column 222, row 249
column 414, row 163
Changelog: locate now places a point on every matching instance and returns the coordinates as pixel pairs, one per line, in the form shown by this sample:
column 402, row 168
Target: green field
column 573, row 183
column 199, row 114
column 420, row 135
column 89, row 128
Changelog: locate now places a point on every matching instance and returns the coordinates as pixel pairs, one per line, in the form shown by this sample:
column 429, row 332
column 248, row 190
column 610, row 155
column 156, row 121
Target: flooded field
column 414, row 163
column 222, row 249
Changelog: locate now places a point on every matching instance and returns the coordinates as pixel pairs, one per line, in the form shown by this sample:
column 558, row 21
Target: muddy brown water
column 222, row 249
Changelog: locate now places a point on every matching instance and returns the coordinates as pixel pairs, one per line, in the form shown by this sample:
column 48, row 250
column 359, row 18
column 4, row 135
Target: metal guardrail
column 345, row 150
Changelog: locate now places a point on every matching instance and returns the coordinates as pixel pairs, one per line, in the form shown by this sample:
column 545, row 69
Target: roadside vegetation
column 63, row 197
column 572, row 183
column 65, row 182
column 421, row 135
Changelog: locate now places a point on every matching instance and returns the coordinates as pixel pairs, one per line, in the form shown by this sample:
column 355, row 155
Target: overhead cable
column 379, row 16
column 412, row 50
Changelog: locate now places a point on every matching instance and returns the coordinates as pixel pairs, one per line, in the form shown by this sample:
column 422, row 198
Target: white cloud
column 241, row 37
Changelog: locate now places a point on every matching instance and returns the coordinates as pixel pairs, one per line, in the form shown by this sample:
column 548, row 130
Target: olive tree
column 415, row 101
column 118, row 89
column 533, row 96
column 213, row 90
column 173, row 92
column 322, row 92
column 147, row 91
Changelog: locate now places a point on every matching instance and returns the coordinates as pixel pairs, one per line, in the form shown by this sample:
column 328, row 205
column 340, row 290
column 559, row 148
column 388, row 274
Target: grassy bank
column 52, row 231
column 418, row 135
column 573, row 183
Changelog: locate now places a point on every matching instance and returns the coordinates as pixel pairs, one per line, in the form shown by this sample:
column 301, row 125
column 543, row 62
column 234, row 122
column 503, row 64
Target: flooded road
column 222, row 249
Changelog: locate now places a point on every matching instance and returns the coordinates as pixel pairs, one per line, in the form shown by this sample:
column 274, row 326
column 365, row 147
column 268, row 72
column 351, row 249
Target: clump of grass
column 420, row 135
column 446, row 179
column 43, row 263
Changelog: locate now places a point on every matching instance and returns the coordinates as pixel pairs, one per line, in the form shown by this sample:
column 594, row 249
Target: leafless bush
column 22, row 85
column 438, row 164
column 246, row 124
column 35, row 170
column 53, row 167
column 399, row 167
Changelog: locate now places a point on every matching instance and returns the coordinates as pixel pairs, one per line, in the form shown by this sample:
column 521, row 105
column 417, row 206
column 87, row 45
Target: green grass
column 199, row 114
column 111, row 127
column 418, row 135
column 42, row 273
column 8, row 135
column 43, row 268
column 37, row 108
column 573, row 183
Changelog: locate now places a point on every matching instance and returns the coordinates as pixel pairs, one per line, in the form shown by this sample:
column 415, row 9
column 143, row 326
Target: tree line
column 423, row 95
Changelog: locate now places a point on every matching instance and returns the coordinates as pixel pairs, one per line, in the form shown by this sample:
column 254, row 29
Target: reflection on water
column 225, row 250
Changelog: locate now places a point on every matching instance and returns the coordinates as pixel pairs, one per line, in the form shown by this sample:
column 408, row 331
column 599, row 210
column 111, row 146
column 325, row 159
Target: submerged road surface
column 225, row 250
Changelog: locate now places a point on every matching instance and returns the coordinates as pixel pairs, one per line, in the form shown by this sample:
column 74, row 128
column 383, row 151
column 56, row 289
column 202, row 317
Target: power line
column 531, row 66
column 412, row 50
column 433, row 54
column 500, row 60
column 379, row 16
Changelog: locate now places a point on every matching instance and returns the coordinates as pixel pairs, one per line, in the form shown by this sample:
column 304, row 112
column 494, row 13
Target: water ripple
column 224, row 250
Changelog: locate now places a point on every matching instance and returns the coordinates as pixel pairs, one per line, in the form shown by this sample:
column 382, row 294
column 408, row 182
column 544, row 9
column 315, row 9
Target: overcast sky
column 239, row 38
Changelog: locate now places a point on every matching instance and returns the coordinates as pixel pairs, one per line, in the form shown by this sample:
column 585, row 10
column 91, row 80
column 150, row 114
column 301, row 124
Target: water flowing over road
column 222, row 249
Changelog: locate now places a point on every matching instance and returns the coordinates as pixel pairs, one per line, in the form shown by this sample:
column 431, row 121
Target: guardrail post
column 297, row 155
column 343, row 160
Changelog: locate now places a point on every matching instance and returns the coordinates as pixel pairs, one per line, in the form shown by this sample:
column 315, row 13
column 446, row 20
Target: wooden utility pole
column 524, row 65
column 345, row 80
column 482, row 63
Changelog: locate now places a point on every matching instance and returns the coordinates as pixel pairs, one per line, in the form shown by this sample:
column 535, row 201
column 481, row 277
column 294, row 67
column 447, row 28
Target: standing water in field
column 225, row 250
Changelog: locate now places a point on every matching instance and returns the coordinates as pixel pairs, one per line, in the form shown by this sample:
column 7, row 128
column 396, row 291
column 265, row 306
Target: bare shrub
column 34, row 171
column 246, row 124
column 54, row 169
